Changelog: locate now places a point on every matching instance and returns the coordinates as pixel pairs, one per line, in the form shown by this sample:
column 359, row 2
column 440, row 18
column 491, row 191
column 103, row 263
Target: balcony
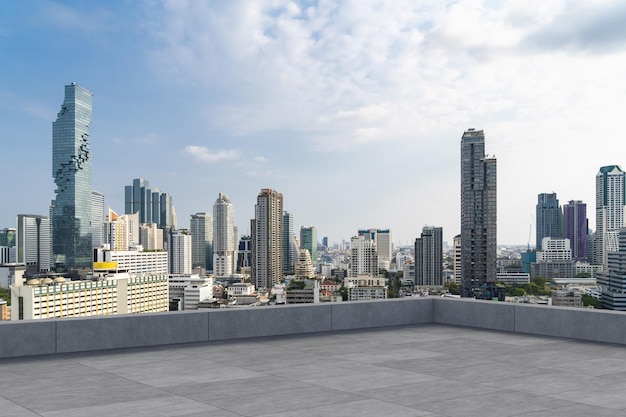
column 406, row 357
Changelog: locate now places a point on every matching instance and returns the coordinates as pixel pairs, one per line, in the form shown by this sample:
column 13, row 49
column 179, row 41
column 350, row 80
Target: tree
column 519, row 292
column 344, row 293
column 590, row 301
column 453, row 288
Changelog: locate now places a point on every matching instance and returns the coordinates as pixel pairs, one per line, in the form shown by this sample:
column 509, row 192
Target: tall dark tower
column 549, row 218
column 478, row 215
column 71, row 170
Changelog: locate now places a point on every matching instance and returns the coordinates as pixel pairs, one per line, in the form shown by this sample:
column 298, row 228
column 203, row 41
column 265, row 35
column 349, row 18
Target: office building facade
column 576, row 227
column 32, row 241
column 71, row 170
column 548, row 217
column 478, row 214
column 201, row 227
column 152, row 205
column 308, row 241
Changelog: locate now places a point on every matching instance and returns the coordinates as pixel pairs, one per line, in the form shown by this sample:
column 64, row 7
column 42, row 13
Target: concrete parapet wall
column 124, row 331
column 381, row 313
column 27, row 338
column 40, row 337
column 575, row 323
column 239, row 323
column 491, row 315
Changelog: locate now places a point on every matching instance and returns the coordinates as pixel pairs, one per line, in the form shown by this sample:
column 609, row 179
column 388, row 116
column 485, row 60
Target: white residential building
column 150, row 236
column 363, row 256
column 225, row 239
column 180, row 252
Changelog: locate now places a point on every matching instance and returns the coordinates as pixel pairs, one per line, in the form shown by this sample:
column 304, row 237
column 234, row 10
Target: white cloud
column 204, row 154
column 407, row 77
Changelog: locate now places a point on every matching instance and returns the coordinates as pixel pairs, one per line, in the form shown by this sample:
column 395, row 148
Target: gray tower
column 429, row 257
column 478, row 214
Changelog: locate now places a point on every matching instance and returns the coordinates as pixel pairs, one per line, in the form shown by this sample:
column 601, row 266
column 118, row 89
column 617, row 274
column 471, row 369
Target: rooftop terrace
column 408, row 369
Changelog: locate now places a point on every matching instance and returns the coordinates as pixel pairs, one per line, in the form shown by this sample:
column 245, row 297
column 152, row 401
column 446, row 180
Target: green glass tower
column 71, row 170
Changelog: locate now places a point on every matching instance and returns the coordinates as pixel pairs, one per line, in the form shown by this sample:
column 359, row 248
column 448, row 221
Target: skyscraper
column 71, row 170
column 121, row 232
column 33, row 242
column 382, row 240
column 152, row 205
column 224, row 237
column 610, row 202
column 201, row 227
column 179, row 252
column 429, row 257
column 308, row 241
column 267, row 239
column 97, row 219
column 549, row 218
column 575, row 228
column 289, row 251
column 478, row 214
column 612, row 281
column 363, row 256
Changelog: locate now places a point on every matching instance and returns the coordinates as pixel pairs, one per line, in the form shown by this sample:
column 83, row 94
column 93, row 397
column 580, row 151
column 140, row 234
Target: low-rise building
column 111, row 293
column 365, row 287
column 135, row 261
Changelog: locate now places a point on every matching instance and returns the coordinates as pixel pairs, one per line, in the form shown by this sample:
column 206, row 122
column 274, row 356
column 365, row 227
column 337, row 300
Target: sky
column 353, row 110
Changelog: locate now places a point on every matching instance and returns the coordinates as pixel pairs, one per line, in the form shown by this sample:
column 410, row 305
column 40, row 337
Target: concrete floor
column 426, row 370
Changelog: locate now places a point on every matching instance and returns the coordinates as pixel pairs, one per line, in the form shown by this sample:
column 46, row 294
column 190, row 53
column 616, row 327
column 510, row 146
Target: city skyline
column 303, row 91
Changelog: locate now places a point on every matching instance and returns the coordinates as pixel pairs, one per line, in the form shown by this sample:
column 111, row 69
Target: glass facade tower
column 71, row 170
column 549, row 218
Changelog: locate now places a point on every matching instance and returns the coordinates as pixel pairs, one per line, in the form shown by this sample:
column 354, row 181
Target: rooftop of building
column 413, row 350
column 416, row 370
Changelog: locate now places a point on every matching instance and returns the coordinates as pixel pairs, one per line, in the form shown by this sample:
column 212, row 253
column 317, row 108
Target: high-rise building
column 478, row 214
column 429, row 257
column 224, row 237
column 150, row 237
column 202, row 230
column 549, row 218
column 610, row 202
column 7, row 237
column 382, row 240
column 121, row 232
column 8, row 253
column 267, row 239
column 363, row 256
column 33, row 242
column 576, row 227
column 97, row 219
column 457, row 259
column 71, row 170
column 179, row 252
column 152, row 205
column 289, row 251
column 244, row 261
column 308, row 241
column 612, row 281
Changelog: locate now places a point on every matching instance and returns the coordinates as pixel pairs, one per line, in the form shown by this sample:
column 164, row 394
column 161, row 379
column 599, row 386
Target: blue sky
column 354, row 110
